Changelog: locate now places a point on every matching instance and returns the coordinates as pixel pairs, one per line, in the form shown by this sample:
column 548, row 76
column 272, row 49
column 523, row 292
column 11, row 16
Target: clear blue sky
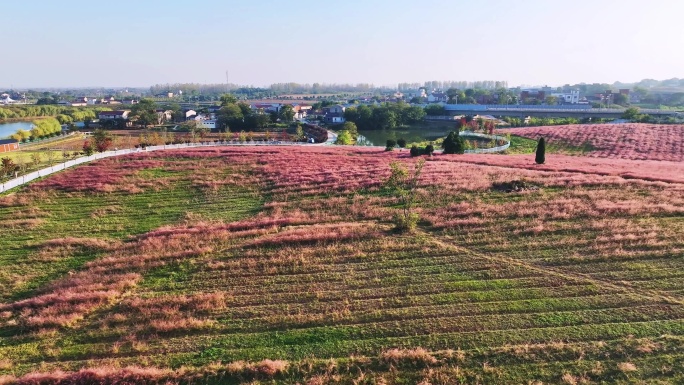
column 50, row 43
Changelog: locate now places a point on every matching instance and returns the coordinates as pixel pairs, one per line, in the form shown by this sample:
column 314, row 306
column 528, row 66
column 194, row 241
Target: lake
column 418, row 134
column 7, row 129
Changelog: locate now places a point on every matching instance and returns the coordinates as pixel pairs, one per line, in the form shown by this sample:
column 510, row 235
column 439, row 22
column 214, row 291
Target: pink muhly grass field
column 663, row 171
column 639, row 141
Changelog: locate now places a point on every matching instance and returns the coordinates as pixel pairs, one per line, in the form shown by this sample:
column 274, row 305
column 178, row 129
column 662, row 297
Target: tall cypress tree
column 540, row 157
column 449, row 144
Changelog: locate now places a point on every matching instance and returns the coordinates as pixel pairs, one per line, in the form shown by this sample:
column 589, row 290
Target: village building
column 7, row 145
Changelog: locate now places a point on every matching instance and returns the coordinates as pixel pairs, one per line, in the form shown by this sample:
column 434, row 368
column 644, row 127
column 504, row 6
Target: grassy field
column 281, row 266
column 35, row 156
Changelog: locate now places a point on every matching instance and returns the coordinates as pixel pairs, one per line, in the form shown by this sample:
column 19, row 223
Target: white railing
column 486, row 150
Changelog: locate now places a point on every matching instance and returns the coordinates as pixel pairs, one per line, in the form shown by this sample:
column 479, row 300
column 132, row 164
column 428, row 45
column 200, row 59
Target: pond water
column 7, row 129
column 380, row 137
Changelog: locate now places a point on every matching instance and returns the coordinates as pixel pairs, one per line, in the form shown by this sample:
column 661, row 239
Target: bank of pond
column 7, row 129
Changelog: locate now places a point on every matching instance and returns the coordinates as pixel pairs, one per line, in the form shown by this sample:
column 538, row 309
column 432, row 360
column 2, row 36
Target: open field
column 616, row 141
column 35, row 156
column 280, row 265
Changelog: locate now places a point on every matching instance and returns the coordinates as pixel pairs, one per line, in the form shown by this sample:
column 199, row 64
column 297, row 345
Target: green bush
column 418, row 151
column 391, row 143
column 453, row 144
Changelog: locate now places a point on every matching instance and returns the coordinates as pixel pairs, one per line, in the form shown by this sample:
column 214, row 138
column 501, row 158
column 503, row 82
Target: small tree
column 344, row 138
column 299, row 133
column 631, row 113
column 391, row 143
column 352, row 129
column 51, row 157
column 103, row 140
column 88, row 148
column 540, row 156
column 401, row 142
column 35, row 159
column 404, row 186
column 8, row 166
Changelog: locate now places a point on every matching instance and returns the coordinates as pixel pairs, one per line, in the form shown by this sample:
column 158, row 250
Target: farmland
column 636, row 141
column 281, row 265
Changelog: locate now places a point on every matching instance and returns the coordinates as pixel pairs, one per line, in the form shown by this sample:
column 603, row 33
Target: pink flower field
column 615, row 141
column 283, row 265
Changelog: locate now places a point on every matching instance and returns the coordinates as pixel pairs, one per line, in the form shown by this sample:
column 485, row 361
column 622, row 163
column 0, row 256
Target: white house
column 209, row 124
column 107, row 115
column 334, row 114
column 189, row 114
column 437, row 97
column 164, row 116
column 572, row 97
column 266, row 107
column 336, row 109
column 5, row 99
column 301, row 111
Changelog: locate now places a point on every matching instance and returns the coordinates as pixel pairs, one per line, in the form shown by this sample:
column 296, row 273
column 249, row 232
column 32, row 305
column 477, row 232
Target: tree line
column 42, row 128
column 235, row 115
column 385, row 116
column 32, row 111
column 442, row 85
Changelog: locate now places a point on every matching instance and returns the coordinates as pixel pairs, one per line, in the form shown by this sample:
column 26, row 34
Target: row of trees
column 76, row 114
column 43, row 128
column 239, row 115
column 385, row 116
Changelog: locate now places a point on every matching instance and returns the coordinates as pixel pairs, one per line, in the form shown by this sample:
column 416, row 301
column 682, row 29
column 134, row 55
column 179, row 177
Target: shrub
column 391, row 143
column 540, row 156
column 88, row 148
column 401, row 142
column 429, row 149
column 453, row 144
column 415, row 151
column 418, row 151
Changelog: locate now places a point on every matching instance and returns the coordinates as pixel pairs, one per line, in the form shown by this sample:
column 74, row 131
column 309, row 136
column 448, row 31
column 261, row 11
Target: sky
column 138, row 43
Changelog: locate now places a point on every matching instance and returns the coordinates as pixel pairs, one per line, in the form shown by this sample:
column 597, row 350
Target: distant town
column 189, row 111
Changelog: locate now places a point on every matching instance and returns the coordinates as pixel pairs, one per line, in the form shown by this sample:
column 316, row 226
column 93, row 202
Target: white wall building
column 209, row 124
column 437, row 97
column 5, row 99
column 572, row 97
